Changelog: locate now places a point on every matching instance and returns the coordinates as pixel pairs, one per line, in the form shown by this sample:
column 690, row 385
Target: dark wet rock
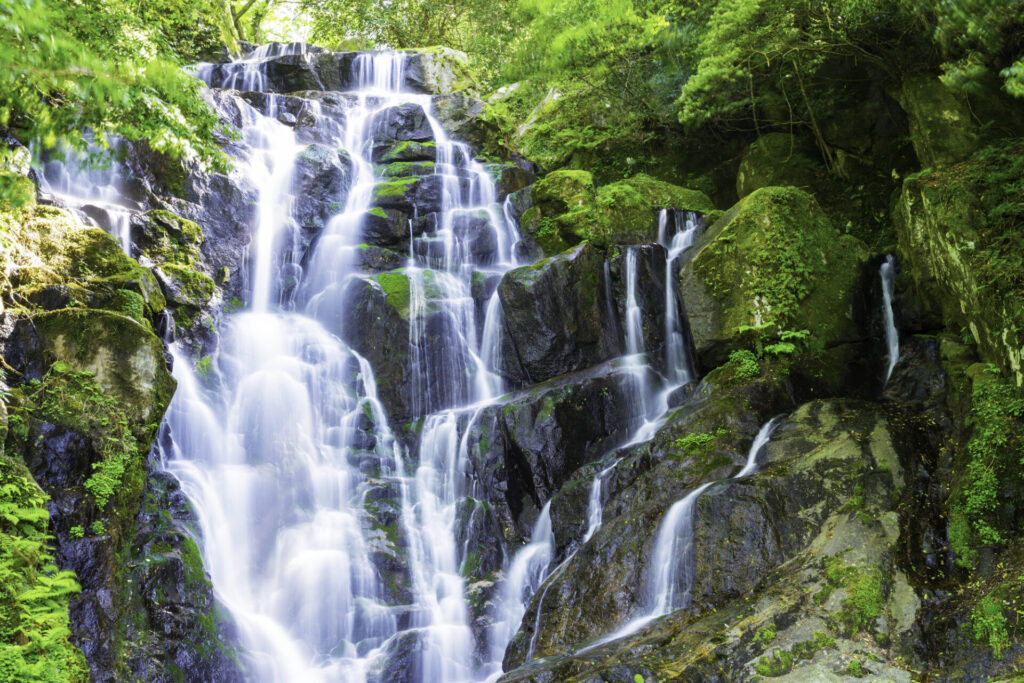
column 402, row 123
column 321, row 179
column 378, row 259
column 526, row 447
column 556, row 316
column 509, row 178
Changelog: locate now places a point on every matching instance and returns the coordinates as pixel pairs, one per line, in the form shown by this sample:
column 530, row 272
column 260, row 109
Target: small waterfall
column 96, row 195
column 524, row 576
column 677, row 232
column 892, row 336
column 595, row 508
column 670, row 575
column 678, row 363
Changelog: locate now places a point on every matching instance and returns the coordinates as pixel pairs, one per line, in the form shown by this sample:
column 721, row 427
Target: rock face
column 798, row 551
column 949, row 245
column 773, row 263
column 93, row 386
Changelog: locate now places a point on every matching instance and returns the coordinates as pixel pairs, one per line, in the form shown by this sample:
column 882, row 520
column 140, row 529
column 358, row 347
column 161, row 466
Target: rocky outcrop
column 950, row 246
column 792, row 564
column 773, row 263
column 777, row 159
column 568, row 209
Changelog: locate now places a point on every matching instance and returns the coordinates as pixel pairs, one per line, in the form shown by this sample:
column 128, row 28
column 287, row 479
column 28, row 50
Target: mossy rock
column 401, row 169
column 187, row 286
column 164, row 236
column 405, row 150
column 125, row 357
column 56, row 251
column 773, row 263
column 776, row 159
column 965, row 259
column 568, row 209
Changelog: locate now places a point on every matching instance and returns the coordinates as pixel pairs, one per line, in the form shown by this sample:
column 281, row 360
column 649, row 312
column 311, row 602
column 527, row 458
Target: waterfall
column 526, row 573
column 678, row 363
column 892, row 336
column 286, row 451
column 96, row 195
column 670, row 575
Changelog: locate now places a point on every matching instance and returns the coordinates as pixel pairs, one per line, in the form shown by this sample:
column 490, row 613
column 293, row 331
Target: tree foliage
column 82, row 72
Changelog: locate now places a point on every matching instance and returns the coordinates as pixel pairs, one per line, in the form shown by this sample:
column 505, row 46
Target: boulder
column 401, row 123
column 438, row 71
column 557, row 316
column 773, row 263
column 322, row 179
column 388, row 153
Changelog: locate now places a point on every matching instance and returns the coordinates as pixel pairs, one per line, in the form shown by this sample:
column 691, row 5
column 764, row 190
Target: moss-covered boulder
column 773, row 263
column 962, row 250
column 776, row 159
column 438, row 71
column 557, row 316
column 568, row 209
column 125, row 357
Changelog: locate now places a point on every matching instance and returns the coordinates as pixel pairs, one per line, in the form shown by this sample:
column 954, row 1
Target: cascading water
column 892, row 336
column 96, row 196
column 526, row 573
column 670, row 576
column 285, row 453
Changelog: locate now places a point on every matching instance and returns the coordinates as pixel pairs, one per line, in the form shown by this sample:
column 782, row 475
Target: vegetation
column 85, row 73
column 34, row 593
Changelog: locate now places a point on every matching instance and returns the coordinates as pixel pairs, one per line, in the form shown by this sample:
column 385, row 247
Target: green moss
column 378, row 212
column 194, row 288
column 571, row 210
column 765, row 635
column 864, row 599
column 396, row 290
column 990, row 465
column 776, row 265
column 396, row 187
column 855, row 669
column 400, row 169
column 988, row 625
column 778, row 663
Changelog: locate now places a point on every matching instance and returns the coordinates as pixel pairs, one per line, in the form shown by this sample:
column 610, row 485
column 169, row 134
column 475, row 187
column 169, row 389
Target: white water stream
column 892, row 336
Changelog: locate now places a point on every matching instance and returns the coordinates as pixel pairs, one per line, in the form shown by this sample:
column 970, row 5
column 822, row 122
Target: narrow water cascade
column 670, row 574
column 98, row 196
column 677, row 231
column 887, row 273
column 525, row 574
